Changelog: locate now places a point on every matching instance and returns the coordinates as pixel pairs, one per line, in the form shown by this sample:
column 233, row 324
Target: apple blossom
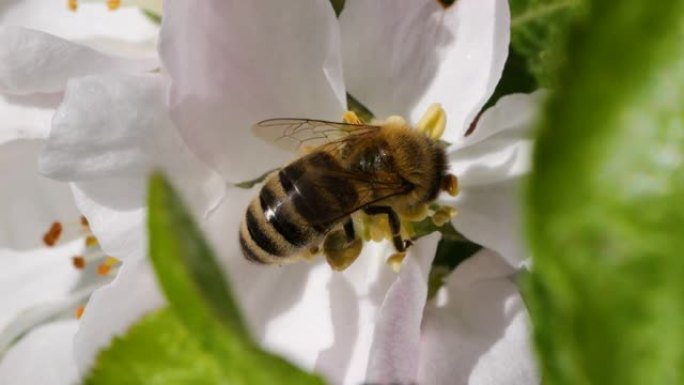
column 229, row 64
column 49, row 285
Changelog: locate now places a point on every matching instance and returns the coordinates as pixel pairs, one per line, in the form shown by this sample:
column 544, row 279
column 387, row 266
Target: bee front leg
column 395, row 225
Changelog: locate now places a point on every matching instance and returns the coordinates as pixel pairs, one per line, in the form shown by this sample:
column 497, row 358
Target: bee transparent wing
column 293, row 133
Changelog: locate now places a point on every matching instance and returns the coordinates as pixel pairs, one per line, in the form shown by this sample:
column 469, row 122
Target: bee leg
column 395, row 225
column 349, row 230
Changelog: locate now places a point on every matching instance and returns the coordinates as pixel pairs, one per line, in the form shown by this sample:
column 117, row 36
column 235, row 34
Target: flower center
column 96, row 267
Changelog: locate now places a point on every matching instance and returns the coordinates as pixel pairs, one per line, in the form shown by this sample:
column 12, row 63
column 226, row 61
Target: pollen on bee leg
column 433, row 122
column 113, row 4
column 51, row 237
column 105, row 267
column 72, row 5
column 350, row 117
column 78, row 312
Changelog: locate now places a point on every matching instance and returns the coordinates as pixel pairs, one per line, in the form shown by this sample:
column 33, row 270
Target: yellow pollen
column 79, row 262
column 443, row 215
column 433, row 122
column 395, row 260
column 78, row 312
column 105, row 267
column 350, row 117
column 91, row 241
column 52, row 235
column 72, row 5
column 113, row 4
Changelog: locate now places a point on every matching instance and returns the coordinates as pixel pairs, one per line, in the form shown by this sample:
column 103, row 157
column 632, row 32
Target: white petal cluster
column 228, row 64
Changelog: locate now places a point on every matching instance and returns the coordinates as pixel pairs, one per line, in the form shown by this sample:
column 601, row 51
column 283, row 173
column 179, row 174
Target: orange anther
column 78, row 312
column 72, row 5
column 105, row 267
column 78, row 261
column 52, row 235
column 113, row 4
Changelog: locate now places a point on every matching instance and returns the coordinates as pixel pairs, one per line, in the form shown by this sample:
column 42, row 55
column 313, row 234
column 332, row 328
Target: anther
column 78, row 261
column 72, row 5
column 395, row 260
column 450, row 184
column 91, row 241
column 78, row 312
column 84, row 222
column 105, row 267
column 433, row 122
column 113, row 4
column 52, row 235
column 350, row 117
column 443, row 215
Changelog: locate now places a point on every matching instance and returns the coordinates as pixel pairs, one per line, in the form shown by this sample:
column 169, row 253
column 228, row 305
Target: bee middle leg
column 394, row 223
column 349, row 230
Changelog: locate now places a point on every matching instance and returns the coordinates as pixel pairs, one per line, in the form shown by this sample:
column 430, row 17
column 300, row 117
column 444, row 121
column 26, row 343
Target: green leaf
column 200, row 297
column 158, row 350
column 605, row 216
column 516, row 77
column 186, row 267
column 537, row 27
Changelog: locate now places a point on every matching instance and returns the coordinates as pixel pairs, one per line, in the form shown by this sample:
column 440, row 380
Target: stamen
column 78, row 261
column 91, row 241
column 78, row 312
column 350, row 117
column 113, row 4
column 52, row 235
column 105, row 267
column 72, row 5
column 395, row 260
column 443, row 215
column 433, row 122
column 84, row 222
column 450, row 184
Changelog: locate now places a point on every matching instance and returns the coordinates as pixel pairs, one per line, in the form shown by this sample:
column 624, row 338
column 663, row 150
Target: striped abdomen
column 296, row 207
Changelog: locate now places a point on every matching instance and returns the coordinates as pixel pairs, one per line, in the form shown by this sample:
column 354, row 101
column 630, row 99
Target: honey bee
column 385, row 169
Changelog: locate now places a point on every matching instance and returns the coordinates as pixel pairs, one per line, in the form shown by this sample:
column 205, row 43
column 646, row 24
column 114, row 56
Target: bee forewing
column 293, row 133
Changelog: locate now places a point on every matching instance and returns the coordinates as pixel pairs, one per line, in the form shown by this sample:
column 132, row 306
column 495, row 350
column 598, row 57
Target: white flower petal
column 34, row 277
column 313, row 316
column 115, row 208
column 402, row 56
column 35, row 62
column 27, row 116
column 114, row 308
column 29, row 202
column 477, row 333
column 126, row 31
column 234, row 63
column 45, row 356
column 394, row 355
column 108, row 135
column 500, row 147
column 355, row 297
column 490, row 216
